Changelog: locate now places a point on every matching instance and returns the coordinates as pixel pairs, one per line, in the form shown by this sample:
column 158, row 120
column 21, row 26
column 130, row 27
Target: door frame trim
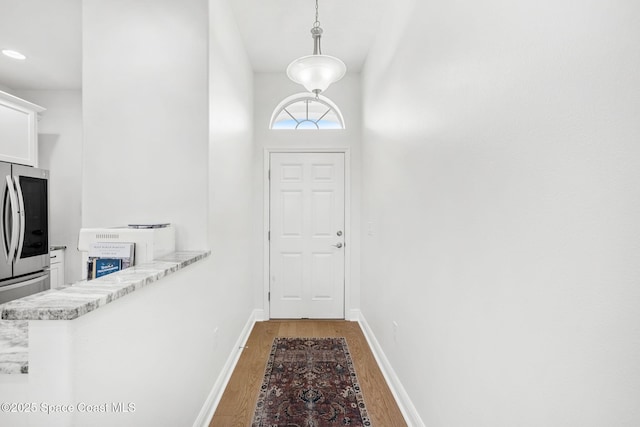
column 266, row 221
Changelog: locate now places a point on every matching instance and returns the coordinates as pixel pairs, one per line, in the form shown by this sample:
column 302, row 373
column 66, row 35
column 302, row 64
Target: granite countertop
column 73, row 301
column 14, row 347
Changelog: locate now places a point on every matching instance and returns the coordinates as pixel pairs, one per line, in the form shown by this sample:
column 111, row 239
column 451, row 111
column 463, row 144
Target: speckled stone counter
column 73, row 301
column 14, row 347
column 83, row 297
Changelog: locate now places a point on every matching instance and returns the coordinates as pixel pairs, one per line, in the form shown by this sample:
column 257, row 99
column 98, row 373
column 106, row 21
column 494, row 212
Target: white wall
column 231, row 197
column 145, row 95
column 184, row 124
column 501, row 170
column 156, row 348
column 270, row 89
column 60, row 151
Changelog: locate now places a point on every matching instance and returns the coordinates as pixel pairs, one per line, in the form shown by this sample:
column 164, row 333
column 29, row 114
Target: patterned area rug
column 310, row 382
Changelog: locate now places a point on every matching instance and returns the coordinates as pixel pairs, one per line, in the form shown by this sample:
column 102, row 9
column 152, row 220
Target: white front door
column 307, row 235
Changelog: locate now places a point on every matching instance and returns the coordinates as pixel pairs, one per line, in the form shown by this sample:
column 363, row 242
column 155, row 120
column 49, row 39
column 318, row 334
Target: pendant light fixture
column 316, row 72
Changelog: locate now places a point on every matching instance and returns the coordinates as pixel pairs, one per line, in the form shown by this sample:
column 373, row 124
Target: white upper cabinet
column 18, row 130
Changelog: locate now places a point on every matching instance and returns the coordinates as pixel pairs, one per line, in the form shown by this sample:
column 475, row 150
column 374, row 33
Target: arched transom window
column 306, row 111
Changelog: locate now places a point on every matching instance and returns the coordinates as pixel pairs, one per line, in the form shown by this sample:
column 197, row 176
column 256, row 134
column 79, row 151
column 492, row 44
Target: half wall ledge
column 73, row 301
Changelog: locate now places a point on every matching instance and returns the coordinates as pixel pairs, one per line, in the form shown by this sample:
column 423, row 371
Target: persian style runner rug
column 310, row 382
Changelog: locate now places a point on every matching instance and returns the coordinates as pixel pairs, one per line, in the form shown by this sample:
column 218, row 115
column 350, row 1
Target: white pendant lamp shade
column 316, row 72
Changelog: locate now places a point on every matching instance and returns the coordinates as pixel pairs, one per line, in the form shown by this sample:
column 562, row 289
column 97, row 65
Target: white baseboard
column 353, row 315
column 409, row 411
column 210, row 405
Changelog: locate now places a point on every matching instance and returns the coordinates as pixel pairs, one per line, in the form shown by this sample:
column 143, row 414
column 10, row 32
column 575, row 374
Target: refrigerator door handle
column 13, row 200
column 5, row 235
column 21, row 216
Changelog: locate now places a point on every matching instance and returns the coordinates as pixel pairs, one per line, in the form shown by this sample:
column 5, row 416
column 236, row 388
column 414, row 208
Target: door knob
column 339, row 245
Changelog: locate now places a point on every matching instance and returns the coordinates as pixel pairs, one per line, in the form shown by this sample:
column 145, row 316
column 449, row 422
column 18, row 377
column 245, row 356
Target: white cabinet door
column 54, row 277
column 307, row 216
column 18, row 130
column 56, row 268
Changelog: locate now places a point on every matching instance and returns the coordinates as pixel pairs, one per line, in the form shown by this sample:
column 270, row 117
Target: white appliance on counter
column 24, row 231
column 151, row 243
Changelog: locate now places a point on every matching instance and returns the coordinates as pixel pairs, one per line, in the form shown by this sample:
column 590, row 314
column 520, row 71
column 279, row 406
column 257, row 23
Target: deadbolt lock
column 339, row 233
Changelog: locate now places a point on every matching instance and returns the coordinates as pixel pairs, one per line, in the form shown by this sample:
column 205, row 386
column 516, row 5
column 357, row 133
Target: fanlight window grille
column 305, row 111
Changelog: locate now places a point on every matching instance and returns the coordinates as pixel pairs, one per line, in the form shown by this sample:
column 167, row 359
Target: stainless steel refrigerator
column 24, row 231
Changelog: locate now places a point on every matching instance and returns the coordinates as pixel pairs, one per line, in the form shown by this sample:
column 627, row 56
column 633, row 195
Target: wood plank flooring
column 238, row 401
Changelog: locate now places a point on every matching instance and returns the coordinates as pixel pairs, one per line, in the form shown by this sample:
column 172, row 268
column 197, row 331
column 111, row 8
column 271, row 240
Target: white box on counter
column 150, row 243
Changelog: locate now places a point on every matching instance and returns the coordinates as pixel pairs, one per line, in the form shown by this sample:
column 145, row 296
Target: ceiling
column 275, row 32
column 49, row 33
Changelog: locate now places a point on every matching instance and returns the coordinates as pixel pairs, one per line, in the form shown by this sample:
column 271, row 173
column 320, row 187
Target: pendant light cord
column 316, row 32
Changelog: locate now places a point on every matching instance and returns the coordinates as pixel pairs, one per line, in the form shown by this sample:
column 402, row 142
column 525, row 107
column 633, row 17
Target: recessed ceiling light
column 13, row 54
